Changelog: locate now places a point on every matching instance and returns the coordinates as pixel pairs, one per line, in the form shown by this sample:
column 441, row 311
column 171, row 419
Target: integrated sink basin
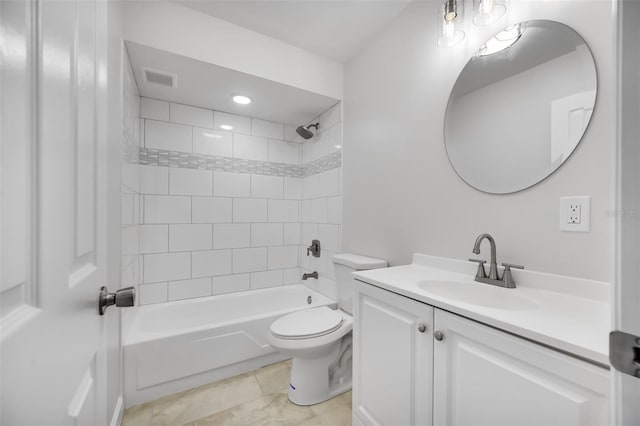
column 478, row 294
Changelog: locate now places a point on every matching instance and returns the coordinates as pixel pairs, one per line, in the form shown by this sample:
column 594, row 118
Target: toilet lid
column 307, row 323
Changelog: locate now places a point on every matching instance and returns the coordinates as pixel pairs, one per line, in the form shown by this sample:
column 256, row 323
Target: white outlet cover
column 584, row 211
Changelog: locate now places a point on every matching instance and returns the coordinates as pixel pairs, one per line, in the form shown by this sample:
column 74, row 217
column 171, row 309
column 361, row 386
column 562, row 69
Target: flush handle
column 624, row 352
column 121, row 298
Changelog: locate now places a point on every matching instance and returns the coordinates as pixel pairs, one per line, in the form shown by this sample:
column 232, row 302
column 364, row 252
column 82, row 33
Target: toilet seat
column 307, row 323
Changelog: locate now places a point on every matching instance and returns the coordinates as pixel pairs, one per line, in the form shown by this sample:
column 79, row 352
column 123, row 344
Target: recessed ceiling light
column 226, row 127
column 242, row 100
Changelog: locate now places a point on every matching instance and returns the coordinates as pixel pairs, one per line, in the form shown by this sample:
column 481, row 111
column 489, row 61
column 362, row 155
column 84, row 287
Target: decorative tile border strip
column 328, row 162
column 162, row 158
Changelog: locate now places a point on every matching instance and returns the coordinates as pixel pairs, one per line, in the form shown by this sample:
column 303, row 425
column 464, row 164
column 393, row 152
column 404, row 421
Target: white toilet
column 319, row 339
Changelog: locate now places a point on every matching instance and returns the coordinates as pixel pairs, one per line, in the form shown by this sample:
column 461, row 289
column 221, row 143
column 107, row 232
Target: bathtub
column 175, row 346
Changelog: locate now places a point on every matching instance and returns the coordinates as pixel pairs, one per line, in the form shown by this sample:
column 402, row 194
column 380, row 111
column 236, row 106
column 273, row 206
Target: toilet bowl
column 319, row 340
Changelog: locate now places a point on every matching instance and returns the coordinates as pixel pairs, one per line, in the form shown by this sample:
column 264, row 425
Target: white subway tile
column 266, row 234
column 211, row 210
column 284, row 152
column 190, row 182
column 283, row 211
column 291, row 233
column 212, row 262
column 305, row 211
column 283, row 257
column 212, row 142
column 318, row 210
column 154, row 109
column 167, row 136
column 167, row 209
column 189, row 237
column 152, row 293
column 309, row 232
column 291, row 276
column 334, row 210
column 266, row 279
column 249, row 260
column 250, row 210
column 228, row 184
column 191, row 116
column 250, row 147
column 154, row 239
column 166, row 267
column 231, row 283
column 239, row 123
column 267, row 129
column 325, row 184
column 231, row 235
column 154, row 180
column 329, row 235
column 263, row 186
column 335, row 139
column 314, row 149
column 290, row 134
column 189, row 289
column 292, row 188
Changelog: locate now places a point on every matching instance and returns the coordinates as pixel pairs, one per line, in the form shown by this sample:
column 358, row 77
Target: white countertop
column 566, row 313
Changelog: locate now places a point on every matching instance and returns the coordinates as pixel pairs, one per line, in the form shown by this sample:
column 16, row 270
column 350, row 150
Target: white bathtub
column 175, row 346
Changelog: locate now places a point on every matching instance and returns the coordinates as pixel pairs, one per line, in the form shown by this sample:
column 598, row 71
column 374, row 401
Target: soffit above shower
column 334, row 29
column 210, row 86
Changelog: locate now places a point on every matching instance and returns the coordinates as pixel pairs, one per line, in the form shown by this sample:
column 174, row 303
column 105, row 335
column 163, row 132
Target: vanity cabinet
column 483, row 376
column 393, row 359
column 468, row 374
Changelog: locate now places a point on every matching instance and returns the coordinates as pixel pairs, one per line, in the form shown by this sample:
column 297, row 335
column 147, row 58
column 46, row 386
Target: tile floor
column 258, row 397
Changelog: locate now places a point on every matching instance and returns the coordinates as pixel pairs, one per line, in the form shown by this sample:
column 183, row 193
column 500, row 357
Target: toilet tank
column 346, row 263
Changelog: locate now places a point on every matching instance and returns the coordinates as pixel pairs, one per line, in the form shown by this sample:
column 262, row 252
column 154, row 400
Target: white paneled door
column 53, row 155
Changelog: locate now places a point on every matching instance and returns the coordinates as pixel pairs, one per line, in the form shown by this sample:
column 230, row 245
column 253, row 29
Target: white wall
column 402, row 195
column 186, row 32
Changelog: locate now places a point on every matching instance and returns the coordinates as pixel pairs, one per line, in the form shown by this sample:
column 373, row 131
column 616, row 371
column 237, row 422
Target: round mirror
column 520, row 106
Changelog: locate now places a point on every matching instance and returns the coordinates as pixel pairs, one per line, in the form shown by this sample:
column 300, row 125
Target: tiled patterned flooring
column 255, row 398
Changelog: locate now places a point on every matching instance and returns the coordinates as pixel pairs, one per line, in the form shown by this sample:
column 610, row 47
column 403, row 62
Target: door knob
column 121, row 298
column 422, row 328
column 438, row 335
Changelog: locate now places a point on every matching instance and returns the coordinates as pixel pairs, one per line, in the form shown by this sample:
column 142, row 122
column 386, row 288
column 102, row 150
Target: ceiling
column 211, row 86
column 335, row 29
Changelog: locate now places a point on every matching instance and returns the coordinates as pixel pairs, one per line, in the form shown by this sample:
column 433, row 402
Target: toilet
column 319, row 339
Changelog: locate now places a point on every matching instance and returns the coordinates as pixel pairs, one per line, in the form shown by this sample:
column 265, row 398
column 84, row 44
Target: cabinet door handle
column 438, row 336
column 422, row 328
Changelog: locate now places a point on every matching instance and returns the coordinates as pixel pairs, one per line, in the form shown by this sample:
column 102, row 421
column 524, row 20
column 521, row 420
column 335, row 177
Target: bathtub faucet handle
column 314, row 248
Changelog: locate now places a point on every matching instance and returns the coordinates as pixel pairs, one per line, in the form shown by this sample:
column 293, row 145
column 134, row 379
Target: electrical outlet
column 575, row 214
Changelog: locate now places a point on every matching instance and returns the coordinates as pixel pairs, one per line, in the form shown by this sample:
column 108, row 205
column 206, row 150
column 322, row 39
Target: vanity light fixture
column 502, row 41
column 486, row 12
column 242, row 100
column 226, row 127
column 451, row 24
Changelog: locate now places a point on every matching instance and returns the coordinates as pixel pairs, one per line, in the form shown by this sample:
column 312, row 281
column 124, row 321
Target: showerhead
column 305, row 132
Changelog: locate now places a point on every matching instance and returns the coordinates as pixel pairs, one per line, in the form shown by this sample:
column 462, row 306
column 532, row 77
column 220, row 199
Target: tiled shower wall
column 321, row 202
column 222, row 211
column 131, row 201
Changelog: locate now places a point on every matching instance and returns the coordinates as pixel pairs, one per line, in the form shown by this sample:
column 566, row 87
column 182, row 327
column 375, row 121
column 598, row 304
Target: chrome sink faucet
column 494, row 277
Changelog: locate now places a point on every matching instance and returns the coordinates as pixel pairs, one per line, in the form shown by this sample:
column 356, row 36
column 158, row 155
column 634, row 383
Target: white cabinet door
column 393, row 363
column 483, row 376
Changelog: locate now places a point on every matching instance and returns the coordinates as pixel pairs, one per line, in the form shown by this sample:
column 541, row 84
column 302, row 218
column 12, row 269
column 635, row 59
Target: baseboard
column 116, row 418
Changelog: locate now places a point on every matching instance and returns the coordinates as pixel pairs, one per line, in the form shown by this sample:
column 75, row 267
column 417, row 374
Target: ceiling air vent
column 160, row 77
